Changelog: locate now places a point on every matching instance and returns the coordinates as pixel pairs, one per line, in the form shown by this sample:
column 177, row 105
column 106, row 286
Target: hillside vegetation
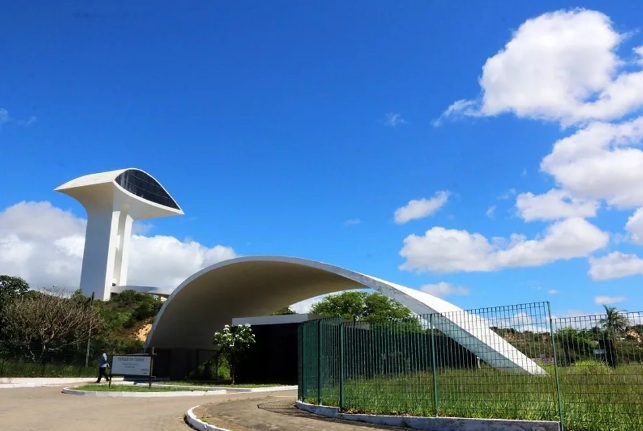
column 49, row 326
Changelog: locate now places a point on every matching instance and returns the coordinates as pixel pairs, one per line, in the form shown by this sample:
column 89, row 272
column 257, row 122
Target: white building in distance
column 113, row 200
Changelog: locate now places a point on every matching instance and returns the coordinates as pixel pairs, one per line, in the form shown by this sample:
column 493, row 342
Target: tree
column 283, row 311
column 361, row 306
column 615, row 323
column 47, row 323
column 233, row 342
column 11, row 288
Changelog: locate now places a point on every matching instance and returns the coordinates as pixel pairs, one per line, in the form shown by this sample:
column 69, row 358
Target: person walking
column 103, row 365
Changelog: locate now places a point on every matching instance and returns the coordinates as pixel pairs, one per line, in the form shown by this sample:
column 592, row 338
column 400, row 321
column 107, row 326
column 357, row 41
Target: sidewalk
column 272, row 413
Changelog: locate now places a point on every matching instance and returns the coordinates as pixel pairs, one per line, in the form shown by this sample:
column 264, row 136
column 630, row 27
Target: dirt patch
column 141, row 333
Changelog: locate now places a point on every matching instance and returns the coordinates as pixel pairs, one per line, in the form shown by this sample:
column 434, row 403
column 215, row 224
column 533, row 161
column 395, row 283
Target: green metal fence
column 600, row 363
column 583, row 373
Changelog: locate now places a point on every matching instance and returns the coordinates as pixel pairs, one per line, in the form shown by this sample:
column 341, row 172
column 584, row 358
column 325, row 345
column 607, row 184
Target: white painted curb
column 71, row 391
column 432, row 423
column 265, row 389
column 197, row 424
column 34, row 382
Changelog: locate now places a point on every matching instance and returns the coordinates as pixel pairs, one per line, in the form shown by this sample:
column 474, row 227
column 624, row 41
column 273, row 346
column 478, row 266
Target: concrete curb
column 33, row 382
column 70, row 391
column 433, row 423
column 266, row 389
column 198, row 424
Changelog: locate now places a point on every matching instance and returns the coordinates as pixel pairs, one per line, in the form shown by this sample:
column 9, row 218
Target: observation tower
column 113, row 200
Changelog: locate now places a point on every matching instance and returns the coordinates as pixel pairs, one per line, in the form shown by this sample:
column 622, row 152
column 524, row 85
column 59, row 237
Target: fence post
column 319, row 362
column 434, row 366
column 341, row 366
column 302, row 358
column 553, row 345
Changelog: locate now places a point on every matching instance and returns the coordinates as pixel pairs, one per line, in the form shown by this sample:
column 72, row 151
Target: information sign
column 131, row 365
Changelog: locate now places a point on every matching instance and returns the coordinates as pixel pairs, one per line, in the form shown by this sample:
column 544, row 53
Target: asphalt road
column 47, row 409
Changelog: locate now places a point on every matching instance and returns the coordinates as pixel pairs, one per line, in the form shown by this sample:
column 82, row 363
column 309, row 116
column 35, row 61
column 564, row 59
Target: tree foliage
column 361, row 306
column 615, row 323
column 284, row 311
column 11, row 288
column 47, row 324
column 233, row 342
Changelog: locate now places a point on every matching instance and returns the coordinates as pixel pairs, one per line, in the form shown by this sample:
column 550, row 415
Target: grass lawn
column 593, row 398
column 30, row 369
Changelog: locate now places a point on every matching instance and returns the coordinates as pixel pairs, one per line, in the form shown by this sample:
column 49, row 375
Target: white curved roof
column 251, row 286
column 103, row 189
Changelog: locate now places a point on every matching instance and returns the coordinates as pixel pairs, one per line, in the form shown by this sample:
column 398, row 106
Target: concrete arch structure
column 250, row 286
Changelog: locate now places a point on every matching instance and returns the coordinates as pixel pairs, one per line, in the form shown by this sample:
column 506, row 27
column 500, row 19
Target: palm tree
column 614, row 322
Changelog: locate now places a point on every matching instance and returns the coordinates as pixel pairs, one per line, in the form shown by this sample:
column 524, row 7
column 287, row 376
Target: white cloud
column 420, row 208
column 553, row 205
column 352, row 222
column 607, row 300
column 552, row 291
column 490, row 211
column 165, row 261
column 601, row 162
column 634, row 226
column 44, row 245
column 638, row 51
column 615, row 265
column 450, row 250
column 393, row 119
column 442, row 289
column 4, row 116
column 559, row 66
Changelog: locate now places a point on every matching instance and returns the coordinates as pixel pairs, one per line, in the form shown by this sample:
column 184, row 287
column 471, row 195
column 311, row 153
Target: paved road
column 47, row 409
column 273, row 413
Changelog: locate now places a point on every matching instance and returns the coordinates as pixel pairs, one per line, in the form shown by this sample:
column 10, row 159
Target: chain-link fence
column 31, row 359
column 500, row 362
column 19, row 361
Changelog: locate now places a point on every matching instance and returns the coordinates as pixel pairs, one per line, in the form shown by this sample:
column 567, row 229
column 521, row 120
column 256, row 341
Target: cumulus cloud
column 553, row 205
column 615, row 265
column 44, row 245
column 607, row 300
column 442, row 289
column 601, row 161
column 421, row 208
column 449, row 250
column 634, row 226
column 560, row 66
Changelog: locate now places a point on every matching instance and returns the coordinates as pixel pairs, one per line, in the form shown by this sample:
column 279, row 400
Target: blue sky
column 485, row 153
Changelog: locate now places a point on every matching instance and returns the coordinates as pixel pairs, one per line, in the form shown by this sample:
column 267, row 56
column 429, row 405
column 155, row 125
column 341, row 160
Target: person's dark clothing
column 102, row 368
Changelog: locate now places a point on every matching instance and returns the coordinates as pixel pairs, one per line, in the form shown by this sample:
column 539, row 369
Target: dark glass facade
column 142, row 185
